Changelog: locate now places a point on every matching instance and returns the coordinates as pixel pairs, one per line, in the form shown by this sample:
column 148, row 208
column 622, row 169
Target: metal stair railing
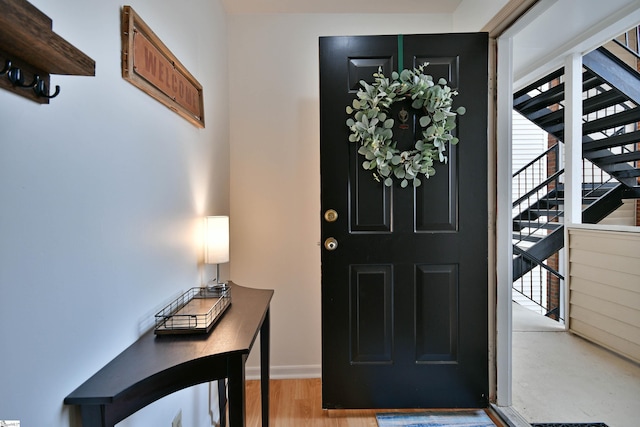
column 537, row 188
column 534, row 287
column 543, row 209
column 535, row 172
column 536, row 213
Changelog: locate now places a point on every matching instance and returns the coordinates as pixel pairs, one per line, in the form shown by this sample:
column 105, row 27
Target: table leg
column 264, row 369
column 222, row 401
column 237, row 404
column 93, row 416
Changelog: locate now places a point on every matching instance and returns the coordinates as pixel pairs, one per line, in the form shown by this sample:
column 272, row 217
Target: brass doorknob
column 330, row 244
column 330, row 215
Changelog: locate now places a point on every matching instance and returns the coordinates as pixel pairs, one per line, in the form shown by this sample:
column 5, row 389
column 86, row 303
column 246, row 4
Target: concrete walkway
column 560, row 377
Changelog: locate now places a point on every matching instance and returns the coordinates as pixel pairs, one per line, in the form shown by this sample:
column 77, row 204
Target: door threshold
column 500, row 416
column 509, row 416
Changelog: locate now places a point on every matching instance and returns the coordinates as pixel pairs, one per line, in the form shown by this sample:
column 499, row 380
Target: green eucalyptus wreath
column 371, row 125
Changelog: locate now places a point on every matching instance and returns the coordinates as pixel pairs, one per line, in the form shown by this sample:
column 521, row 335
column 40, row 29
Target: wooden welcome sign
column 148, row 64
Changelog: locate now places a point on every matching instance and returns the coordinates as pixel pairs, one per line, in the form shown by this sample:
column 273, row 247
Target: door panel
column 369, row 202
column 443, row 187
column 371, row 314
column 444, row 66
column 404, row 294
column 437, row 313
column 363, row 69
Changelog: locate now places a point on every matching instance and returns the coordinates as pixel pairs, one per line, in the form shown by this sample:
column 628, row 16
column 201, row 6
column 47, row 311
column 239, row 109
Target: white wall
column 101, row 193
column 472, row 15
column 275, row 178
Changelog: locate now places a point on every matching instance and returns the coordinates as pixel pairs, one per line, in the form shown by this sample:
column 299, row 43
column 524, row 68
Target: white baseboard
column 286, row 372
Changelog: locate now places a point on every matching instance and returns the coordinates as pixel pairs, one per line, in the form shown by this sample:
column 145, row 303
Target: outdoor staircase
column 611, row 152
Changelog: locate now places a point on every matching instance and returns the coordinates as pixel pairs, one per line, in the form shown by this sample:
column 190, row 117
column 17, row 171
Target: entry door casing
column 404, row 294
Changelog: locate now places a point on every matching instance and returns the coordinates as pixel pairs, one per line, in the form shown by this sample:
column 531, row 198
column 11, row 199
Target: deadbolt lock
column 330, row 215
column 330, row 244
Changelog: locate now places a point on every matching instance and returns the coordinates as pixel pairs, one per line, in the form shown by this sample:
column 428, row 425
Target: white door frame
column 504, row 220
column 609, row 28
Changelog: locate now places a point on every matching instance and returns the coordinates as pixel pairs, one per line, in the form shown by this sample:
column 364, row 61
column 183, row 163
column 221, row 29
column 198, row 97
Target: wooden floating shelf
column 28, row 41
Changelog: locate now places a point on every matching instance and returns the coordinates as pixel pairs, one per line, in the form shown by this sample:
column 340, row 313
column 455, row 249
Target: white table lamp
column 216, row 243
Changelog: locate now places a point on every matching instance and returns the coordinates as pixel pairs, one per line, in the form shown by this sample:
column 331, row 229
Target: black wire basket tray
column 195, row 311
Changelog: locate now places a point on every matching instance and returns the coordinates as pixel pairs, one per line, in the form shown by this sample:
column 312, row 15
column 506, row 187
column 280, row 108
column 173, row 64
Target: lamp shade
column 216, row 241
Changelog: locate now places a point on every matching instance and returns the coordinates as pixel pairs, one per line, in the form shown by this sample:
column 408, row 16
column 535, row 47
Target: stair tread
column 540, row 225
column 616, row 158
column 631, row 173
column 589, row 144
column 547, row 117
column 602, row 101
column 543, row 100
column 523, row 102
column 546, row 79
column 611, row 121
column 526, row 238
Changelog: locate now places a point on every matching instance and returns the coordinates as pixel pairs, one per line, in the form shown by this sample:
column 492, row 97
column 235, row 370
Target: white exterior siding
column 624, row 215
column 604, row 288
column 529, row 141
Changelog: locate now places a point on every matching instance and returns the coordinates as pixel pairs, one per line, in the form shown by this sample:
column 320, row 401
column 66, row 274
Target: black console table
column 155, row 366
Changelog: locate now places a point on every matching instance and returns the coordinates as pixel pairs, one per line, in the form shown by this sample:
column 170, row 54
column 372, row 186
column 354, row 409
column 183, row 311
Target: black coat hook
column 16, row 78
column 7, row 67
column 41, row 90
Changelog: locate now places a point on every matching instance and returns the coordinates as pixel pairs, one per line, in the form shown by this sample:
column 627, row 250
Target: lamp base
column 214, row 285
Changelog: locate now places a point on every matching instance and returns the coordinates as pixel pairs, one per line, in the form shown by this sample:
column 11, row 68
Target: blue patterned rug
column 476, row 418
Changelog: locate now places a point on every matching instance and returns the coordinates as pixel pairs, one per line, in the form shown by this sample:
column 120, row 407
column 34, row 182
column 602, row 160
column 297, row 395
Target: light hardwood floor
column 298, row 403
